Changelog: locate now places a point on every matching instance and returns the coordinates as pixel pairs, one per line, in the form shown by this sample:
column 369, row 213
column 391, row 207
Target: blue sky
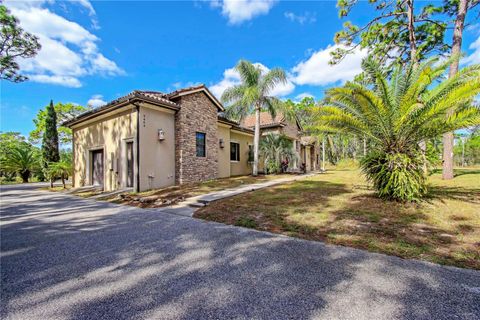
column 94, row 52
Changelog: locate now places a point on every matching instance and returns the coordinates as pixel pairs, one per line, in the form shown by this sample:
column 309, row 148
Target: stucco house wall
column 242, row 167
column 157, row 157
column 104, row 133
column 224, row 153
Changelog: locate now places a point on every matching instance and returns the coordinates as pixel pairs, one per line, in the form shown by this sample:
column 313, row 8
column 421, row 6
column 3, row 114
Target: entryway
column 97, row 168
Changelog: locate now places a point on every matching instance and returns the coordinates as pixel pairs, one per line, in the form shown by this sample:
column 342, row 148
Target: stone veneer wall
column 197, row 114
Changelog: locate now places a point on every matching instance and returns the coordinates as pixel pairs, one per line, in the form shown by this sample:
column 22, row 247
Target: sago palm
column 414, row 104
column 274, row 148
column 22, row 159
column 252, row 95
column 62, row 169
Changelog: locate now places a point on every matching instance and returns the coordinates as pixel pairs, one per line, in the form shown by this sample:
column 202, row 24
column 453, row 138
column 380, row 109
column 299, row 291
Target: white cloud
column 304, row 95
column 60, row 80
column 473, row 58
column 307, row 17
column 231, row 78
column 317, row 71
column 68, row 52
column 96, row 101
column 238, row 11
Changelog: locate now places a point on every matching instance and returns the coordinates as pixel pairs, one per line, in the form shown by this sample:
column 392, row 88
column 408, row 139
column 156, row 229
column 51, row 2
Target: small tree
column 14, row 43
column 50, row 150
column 396, row 114
column 60, row 169
column 274, row 149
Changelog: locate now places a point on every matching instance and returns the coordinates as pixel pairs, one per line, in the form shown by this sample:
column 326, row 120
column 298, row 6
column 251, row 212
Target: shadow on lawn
column 350, row 215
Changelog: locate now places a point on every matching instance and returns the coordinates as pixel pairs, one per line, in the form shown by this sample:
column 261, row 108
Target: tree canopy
column 14, row 43
column 64, row 112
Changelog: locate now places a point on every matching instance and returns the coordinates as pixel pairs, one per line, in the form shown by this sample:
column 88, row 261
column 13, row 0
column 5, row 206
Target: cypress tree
column 50, row 149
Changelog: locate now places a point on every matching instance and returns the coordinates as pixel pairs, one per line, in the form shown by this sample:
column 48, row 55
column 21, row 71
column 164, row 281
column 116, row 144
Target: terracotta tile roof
column 266, row 120
column 308, row 140
column 182, row 90
column 155, row 97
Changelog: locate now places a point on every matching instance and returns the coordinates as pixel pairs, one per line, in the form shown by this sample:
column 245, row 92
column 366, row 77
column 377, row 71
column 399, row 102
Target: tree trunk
column 323, row 154
column 25, row 175
column 447, row 170
column 256, row 141
column 51, row 182
column 63, row 181
column 411, row 32
column 364, row 147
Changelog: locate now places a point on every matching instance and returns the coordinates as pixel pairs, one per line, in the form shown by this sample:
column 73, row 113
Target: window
column 200, row 142
column 234, row 151
column 250, row 153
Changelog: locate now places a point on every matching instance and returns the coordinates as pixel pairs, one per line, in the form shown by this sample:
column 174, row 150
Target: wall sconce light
column 161, row 134
column 222, row 143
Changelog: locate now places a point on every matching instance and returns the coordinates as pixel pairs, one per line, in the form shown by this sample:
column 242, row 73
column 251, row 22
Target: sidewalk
column 190, row 205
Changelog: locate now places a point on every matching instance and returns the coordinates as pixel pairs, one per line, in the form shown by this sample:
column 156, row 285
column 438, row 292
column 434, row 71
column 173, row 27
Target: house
column 148, row 139
column 306, row 147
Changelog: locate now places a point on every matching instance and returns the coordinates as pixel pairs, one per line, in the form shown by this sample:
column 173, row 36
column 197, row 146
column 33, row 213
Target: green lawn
column 339, row 207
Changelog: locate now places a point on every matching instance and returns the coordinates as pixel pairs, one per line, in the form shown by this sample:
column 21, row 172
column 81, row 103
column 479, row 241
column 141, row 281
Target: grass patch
column 246, row 222
column 340, row 207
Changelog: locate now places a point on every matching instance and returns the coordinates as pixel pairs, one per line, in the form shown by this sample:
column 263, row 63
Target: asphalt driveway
column 63, row 257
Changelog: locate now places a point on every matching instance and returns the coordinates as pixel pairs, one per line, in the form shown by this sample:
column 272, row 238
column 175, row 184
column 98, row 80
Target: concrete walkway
column 64, row 257
column 190, row 205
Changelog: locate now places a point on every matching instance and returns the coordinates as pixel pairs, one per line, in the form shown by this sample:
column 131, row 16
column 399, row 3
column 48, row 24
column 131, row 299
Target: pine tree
column 50, row 150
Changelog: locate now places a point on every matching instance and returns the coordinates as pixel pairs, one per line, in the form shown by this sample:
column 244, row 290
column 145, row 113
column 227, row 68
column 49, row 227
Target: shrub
column 396, row 176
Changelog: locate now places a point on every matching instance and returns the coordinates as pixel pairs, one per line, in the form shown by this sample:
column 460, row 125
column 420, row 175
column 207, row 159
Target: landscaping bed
column 340, row 208
column 176, row 194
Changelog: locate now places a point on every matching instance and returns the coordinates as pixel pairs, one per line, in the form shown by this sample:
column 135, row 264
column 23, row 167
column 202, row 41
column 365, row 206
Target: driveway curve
column 63, row 257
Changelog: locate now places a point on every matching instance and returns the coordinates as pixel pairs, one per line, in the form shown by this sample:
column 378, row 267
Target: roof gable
column 195, row 89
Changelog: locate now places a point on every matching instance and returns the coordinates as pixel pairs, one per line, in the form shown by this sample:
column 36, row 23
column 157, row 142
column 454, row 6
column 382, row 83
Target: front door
column 97, row 167
column 130, row 164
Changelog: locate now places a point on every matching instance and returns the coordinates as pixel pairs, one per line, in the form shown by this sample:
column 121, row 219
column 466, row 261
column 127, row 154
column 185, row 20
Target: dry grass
column 339, row 207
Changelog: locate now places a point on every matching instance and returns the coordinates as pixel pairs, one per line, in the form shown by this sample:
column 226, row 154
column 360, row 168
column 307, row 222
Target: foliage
column 22, row 159
column 469, row 146
column 302, row 110
column 387, row 36
column 64, row 111
column 275, row 148
column 61, row 169
column 252, row 95
column 15, row 43
column 396, row 176
column 50, row 151
column 396, row 114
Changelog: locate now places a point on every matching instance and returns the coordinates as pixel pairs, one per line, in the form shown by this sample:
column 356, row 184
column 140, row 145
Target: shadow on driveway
column 71, row 258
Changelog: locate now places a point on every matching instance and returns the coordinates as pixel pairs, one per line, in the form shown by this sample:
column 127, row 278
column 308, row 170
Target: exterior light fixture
column 161, row 135
column 222, row 143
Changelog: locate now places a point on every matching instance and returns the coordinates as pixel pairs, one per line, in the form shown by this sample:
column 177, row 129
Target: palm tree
column 21, row 159
column 62, row 169
column 274, row 148
column 253, row 95
column 396, row 114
